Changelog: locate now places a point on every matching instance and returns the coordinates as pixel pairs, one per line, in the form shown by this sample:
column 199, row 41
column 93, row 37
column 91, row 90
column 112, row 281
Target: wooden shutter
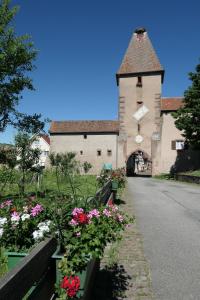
column 173, row 145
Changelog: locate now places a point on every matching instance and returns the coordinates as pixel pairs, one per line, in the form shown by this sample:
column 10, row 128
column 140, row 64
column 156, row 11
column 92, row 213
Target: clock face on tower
column 139, row 139
column 140, row 113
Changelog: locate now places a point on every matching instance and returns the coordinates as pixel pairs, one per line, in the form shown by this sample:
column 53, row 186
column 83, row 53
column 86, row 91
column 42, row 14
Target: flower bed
column 81, row 229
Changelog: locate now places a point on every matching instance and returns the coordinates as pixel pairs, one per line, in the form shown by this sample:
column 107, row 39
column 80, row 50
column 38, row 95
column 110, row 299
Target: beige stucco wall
column 169, row 133
column 129, row 94
column 89, row 146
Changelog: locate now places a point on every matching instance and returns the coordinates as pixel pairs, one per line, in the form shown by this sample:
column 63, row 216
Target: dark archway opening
column 138, row 164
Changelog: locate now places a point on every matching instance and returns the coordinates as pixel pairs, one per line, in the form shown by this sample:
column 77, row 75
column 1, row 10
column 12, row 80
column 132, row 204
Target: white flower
column 25, row 217
column 2, row 221
column 38, row 234
column 1, row 232
column 44, row 228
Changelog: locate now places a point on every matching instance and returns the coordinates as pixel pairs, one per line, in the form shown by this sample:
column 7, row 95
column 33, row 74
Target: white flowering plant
column 22, row 224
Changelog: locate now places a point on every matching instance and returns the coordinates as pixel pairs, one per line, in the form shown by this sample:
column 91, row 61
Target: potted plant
column 88, row 233
column 22, row 224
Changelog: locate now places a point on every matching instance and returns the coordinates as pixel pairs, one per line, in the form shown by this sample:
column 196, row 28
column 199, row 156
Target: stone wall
column 89, row 147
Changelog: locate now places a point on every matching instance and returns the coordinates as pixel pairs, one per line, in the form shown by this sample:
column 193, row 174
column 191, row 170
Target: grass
column 192, row 173
column 166, row 176
column 85, row 185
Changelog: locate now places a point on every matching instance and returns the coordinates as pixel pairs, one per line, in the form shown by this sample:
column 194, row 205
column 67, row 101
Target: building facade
column 144, row 138
column 42, row 142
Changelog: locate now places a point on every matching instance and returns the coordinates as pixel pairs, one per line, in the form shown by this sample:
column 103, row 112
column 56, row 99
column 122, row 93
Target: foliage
column 27, row 157
column 118, row 175
column 86, row 167
column 16, row 61
column 188, row 117
column 7, row 176
column 3, row 262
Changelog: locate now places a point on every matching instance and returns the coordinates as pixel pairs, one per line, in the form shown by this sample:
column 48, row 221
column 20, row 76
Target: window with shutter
column 173, row 145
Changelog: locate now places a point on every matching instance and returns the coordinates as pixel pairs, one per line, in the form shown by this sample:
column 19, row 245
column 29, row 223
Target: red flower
column 71, row 285
column 81, row 218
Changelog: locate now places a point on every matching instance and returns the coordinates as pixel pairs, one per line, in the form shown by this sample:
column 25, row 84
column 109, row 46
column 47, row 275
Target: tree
column 16, row 61
column 27, row 157
column 188, row 116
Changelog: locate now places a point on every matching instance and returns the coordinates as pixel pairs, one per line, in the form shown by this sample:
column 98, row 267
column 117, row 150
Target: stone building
column 144, row 138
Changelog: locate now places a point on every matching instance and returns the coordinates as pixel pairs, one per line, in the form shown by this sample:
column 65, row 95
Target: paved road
column 168, row 216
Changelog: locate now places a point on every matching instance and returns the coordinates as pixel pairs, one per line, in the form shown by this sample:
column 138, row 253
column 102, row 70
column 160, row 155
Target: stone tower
column 139, row 78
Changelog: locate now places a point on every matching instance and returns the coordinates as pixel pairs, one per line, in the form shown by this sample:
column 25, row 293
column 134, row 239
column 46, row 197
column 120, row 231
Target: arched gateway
column 138, row 163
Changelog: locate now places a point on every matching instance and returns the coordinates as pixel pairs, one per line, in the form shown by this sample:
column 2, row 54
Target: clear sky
column 81, row 45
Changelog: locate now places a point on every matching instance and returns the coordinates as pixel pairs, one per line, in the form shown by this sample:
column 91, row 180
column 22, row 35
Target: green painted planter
column 114, row 185
column 14, row 258
column 82, row 275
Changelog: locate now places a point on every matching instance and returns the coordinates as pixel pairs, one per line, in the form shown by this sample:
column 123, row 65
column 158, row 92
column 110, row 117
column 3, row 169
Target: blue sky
column 81, row 45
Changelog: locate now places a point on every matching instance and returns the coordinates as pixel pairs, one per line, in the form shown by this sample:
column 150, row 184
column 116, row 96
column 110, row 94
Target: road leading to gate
column 168, row 216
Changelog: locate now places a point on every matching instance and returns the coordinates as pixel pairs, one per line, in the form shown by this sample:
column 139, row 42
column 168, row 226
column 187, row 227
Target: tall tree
column 188, row 116
column 16, row 61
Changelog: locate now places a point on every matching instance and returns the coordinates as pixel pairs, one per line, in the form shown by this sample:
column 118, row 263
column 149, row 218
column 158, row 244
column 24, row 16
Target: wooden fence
column 35, row 276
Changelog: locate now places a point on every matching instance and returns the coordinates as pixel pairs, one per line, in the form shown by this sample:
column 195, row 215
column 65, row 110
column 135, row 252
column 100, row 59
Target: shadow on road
column 111, row 283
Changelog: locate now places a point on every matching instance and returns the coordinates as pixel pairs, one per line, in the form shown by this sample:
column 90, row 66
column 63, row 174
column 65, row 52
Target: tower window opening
column 98, row 152
column 81, row 152
column 85, row 136
column 109, row 152
column 139, row 81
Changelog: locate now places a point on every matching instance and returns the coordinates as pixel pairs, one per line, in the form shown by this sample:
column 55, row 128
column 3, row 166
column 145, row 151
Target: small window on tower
column 81, row 152
column 85, row 136
column 98, row 152
column 109, row 152
column 139, row 81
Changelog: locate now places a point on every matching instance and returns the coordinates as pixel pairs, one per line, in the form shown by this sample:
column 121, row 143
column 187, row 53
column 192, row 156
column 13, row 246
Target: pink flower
column 36, row 210
column 94, row 213
column 114, row 208
column 120, row 218
column 77, row 211
column 106, row 212
column 73, row 222
column 6, row 203
column 15, row 217
column 78, row 234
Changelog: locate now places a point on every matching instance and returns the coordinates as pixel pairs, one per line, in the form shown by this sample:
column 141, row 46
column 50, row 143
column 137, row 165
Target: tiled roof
column 84, row 127
column 171, row 104
column 140, row 57
column 46, row 138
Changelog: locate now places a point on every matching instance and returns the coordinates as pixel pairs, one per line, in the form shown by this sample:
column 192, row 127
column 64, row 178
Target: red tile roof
column 46, row 138
column 140, row 56
column 84, row 127
column 171, row 103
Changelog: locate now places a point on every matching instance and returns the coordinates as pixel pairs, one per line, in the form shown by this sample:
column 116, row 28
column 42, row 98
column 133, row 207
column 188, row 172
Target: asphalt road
column 168, row 217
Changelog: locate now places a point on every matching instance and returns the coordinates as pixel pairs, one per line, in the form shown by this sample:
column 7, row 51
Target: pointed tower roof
column 140, row 57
